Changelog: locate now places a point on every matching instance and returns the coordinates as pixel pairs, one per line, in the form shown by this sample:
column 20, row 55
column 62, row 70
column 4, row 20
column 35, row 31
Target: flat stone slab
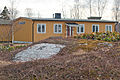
column 38, row 51
column 106, row 44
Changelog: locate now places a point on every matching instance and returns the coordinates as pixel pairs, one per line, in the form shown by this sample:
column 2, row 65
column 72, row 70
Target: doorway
column 69, row 31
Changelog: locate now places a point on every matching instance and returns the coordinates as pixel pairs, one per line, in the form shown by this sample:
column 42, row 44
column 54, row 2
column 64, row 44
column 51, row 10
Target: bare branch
column 116, row 9
column 101, row 6
column 28, row 12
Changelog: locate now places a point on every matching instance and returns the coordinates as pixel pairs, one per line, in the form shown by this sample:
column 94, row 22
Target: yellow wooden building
column 5, row 30
column 34, row 30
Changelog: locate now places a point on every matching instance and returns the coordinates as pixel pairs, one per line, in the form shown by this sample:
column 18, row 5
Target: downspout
column 117, row 29
column 33, row 32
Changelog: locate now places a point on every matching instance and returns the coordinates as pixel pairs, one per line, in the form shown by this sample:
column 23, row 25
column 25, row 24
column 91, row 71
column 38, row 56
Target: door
column 69, row 31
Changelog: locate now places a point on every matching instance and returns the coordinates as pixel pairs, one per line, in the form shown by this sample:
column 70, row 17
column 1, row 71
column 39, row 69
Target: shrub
column 108, row 36
column 75, row 36
column 24, row 45
column 10, row 48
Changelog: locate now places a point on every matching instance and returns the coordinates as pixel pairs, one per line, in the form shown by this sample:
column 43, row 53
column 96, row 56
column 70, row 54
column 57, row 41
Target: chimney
column 57, row 15
column 95, row 18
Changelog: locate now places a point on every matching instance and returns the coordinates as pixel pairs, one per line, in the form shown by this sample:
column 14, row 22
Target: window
column 95, row 28
column 22, row 22
column 57, row 28
column 108, row 28
column 80, row 28
column 41, row 28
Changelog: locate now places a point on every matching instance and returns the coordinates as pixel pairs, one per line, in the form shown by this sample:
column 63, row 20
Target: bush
column 10, row 48
column 108, row 36
column 22, row 46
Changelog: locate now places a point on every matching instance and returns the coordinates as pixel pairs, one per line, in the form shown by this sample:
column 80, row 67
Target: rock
column 38, row 51
column 105, row 44
column 83, row 44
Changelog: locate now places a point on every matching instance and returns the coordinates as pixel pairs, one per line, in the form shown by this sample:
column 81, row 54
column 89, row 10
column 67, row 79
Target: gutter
column 33, row 32
column 75, row 20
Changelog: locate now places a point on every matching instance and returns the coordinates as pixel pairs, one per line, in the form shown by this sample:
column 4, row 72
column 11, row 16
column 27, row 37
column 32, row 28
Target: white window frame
column 41, row 28
column 80, row 29
column 57, row 29
column 108, row 27
column 95, row 27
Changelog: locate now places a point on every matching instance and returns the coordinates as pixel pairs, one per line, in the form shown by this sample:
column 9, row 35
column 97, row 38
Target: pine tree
column 5, row 14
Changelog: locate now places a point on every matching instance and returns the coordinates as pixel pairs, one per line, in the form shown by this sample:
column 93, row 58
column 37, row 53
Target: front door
column 69, row 31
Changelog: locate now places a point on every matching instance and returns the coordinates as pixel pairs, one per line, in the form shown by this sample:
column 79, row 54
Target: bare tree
column 75, row 11
column 13, row 15
column 89, row 5
column 28, row 12
column 13, row 11
column 79, row 9
column 38, row 14
column 63, row 11
column 71, row 13
column 63, row 5
column 116, row 9
column 76, row 8
column 101, row 4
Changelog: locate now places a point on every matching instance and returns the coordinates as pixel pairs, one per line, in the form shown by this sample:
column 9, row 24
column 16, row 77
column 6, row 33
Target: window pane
column 93, row 28
column 43, row 28
column 55, row 28
column 82, row 29
column 96, row 28
column 110, row 28
column 39, row 28
column 59, row 28
column 106, row 28
column 78, row 29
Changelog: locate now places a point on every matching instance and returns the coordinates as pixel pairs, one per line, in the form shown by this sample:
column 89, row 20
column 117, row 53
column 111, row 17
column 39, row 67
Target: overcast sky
column 46, row 7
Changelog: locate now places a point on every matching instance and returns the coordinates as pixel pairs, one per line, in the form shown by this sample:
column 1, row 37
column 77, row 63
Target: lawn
column 80, row 60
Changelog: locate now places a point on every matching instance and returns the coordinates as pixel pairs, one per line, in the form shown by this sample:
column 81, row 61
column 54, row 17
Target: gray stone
column 38, row 51
column 106, row 44
column 83, row 44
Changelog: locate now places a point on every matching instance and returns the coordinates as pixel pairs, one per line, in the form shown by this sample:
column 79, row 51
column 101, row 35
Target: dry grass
column 4, row 63
column 91, row 44
column 97, row 64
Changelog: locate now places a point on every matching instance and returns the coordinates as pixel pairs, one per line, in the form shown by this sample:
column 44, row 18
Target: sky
column 46, row 8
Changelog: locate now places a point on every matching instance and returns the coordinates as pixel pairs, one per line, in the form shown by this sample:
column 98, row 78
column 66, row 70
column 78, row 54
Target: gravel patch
column 38, row 51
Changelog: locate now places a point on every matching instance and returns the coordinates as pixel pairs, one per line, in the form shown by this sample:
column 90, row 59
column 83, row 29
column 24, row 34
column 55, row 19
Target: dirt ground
column 79, row 60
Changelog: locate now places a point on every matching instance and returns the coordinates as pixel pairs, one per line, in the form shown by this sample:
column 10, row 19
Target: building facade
column 34, row 30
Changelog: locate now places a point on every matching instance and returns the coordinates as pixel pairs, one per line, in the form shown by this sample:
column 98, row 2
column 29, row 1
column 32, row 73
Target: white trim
column 80, row 28
column 66, row 32
column 108, row 27
column 70, row 31
column 57, row 29
column 71, row 25
column 22, row 42
column 95, row 27
column 41, row 28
